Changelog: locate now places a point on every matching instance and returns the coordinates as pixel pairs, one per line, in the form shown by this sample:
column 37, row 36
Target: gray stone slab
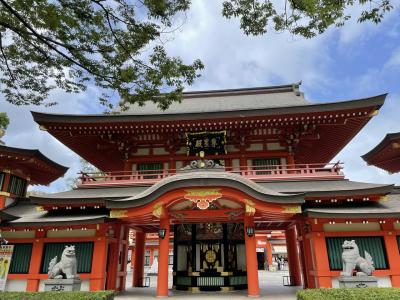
column 62, row 285
column 358, row 281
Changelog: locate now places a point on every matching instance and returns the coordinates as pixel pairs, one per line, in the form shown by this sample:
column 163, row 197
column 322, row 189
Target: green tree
column 4, row 121
column 117, row 46
column 306, row 18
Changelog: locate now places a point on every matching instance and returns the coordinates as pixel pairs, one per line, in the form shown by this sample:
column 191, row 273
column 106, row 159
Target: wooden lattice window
column 17, row 186
column 150, row 170
column 21, row 258
column 84, row 253
column 2, row 176
column 374, row 245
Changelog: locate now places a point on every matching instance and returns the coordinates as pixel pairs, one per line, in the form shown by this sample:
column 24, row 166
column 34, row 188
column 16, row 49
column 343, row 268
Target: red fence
column 255, row 173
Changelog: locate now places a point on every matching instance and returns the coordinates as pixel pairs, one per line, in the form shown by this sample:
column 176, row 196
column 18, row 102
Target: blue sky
column 355, row 61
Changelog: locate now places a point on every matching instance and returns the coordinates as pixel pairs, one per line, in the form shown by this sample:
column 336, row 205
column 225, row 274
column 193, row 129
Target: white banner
column 6, row 252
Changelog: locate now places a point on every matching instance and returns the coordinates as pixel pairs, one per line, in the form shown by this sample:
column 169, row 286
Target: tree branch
column 5, row 58
column 46, row 42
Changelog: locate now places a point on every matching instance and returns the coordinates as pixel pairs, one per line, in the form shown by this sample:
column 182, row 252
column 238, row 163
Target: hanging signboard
column 6, row 252
column 211, row 143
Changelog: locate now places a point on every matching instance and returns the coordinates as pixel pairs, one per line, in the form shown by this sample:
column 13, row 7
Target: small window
column 17, row 186
column 263, row 164
column 150, row 170
column 21, row 258
column 2, row 176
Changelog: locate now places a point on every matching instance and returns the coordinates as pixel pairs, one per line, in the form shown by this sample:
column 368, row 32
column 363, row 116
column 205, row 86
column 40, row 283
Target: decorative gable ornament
column 202, row 197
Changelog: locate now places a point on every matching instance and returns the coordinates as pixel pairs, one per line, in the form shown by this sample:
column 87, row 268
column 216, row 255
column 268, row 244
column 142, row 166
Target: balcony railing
column 255, row 173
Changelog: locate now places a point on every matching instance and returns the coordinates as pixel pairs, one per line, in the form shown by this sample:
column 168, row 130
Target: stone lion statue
column 352, row 260
column 66, row 268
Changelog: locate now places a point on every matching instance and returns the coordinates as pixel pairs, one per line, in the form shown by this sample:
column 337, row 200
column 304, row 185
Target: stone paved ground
column 270, row 285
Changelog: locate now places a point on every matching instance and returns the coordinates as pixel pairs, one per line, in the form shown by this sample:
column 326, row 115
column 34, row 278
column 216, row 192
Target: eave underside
column 386, row 155
column 33, row 163
column 315, row 133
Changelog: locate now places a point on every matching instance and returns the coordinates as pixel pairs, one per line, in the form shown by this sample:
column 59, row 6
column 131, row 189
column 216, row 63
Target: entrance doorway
column 209, row 257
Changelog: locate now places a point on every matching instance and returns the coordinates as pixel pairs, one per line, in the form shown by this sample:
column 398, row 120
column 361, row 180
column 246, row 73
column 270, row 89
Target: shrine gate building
column 206, row 176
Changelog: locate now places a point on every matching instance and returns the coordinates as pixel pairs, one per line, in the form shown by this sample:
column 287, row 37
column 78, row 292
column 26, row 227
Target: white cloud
column 394, row 60
column 355, row 167
column 23, row 132
column 233, row 60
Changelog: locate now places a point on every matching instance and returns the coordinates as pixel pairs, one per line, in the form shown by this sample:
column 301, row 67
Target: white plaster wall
column 19, row 234
column 342, row 227
column 235, row 164
column 255, row 147
column 231, row 148
column 179, row 164
column 382, row 282
column 16, row 285
column 142, row 151
column 41, row 285
column 274, row 146
column 182, row 150
column 335, row 282
column 159, row 151
column 71, row 233
column 85, row 285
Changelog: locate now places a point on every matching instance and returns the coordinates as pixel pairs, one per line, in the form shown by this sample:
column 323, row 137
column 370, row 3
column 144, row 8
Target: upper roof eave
column 34, row 152
column 43, row 118
column 382, row 144
column 60, row 170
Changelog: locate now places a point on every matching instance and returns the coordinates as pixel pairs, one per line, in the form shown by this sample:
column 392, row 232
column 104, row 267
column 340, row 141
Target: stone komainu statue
column 66, row 268
column 352, row 260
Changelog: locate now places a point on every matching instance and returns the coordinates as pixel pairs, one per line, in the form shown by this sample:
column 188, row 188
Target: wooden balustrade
column 255, row 173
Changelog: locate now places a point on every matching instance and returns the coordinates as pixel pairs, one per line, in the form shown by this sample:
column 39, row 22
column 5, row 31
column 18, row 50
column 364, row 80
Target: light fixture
column 250, row 231
column 162, row 232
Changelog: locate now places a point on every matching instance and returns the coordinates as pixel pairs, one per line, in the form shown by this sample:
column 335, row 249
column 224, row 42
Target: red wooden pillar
column 36, row 261
column 97, row 283
column 269, row 253
column 163, row 252
column 322, row 277
column 113, row 259
column 293, row 256
column 393, row 257
column 125, row 246
column 138, row 269
column 253, row 289
column 305, row 251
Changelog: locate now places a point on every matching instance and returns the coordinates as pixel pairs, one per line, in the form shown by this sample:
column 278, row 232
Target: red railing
column 255, row 173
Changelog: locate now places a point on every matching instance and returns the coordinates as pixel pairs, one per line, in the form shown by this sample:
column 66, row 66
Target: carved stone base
column 61, row 285
column 358, row 281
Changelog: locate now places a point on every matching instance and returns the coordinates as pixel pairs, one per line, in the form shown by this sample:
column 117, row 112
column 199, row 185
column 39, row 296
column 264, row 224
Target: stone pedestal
column 358, row 281
column 61, row 285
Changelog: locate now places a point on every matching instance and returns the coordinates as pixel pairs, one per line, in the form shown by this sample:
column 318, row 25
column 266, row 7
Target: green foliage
column 117, row 45
column 349, row 294
column 4, row 121
column 69, row 44
column 102, row 295
column 306, row 18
